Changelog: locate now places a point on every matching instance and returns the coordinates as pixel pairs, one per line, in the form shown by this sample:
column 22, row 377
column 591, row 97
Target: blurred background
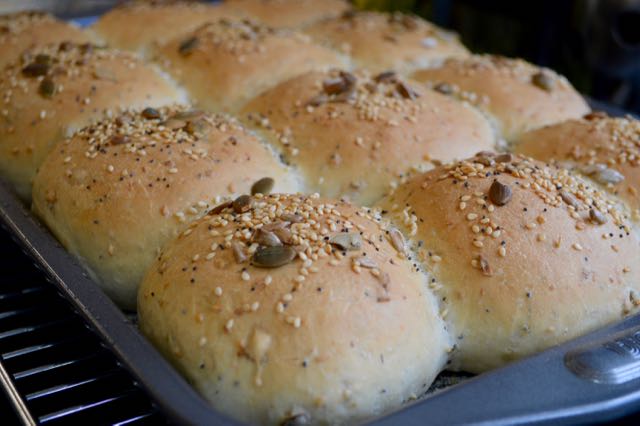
column 595, row 43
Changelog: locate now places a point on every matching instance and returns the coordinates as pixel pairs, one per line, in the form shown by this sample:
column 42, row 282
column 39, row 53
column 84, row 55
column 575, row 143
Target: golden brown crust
column 225, row 63
column 53, row 90
column 26, row 30
column 116, row 191
column 333, row 336
column 518, row 95
column 595, row 145
column 383, row 41
column 355, row 139
column 289, row 13
column 142, row 26
column 556, row 260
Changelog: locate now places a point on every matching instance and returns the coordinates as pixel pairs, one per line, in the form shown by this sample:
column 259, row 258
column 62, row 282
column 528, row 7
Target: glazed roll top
column 288, row 13
column 142, row 25
column 52, row 91
column 524, row 256
column 605, row 149
column 25, row 30
column 116, row 191
column 292, row 309
column 383, row 41
column 355, row 134
column 225, row 63
column 516, row 94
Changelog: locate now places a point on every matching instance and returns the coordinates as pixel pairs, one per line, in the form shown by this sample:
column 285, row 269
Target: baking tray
column 593, row 378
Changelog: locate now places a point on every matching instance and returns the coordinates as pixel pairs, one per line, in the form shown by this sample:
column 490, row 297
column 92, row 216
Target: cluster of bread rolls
column 318, row 209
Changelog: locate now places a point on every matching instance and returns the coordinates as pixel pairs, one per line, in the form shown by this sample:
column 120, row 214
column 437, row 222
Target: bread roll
column 288, row 13
column 225, row 63
column 142, row 25
column 355, row 135
column 342, row 330
column 523, row 255
column 603, row 148
column 24, row 30
column 54, row 90
column 518, row 95
column 116, row 191
column 382, row 41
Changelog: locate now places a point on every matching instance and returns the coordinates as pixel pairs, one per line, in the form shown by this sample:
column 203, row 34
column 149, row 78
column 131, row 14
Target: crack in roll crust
column 116, row 191
column 553, row 260
column 355, row 134
column 288, row 13
column 343, row 330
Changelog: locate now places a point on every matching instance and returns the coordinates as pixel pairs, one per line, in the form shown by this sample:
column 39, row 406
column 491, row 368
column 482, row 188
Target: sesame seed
column 255, row 306
column 229, row 325
column 173, row 170
column 502, row 251
column 577, row 246
column 626, row 269
column 478, row 243
column 245, row 276
column 268, row 279
column 288, row 297
column 472, row 216
column 463, row 205
column 279, row 307
column 436, row 258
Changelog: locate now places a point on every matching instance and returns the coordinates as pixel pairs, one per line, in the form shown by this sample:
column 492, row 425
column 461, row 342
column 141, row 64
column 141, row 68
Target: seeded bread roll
column 524, row 256
column 305, row 314
column 25, row 30
column 142, row 25
column 603, row 148
column 225, row 63
column 54, row 90
column 289, row 13
column 517, row 95
column 388, row 41
column 354, row 135
column 116, row 191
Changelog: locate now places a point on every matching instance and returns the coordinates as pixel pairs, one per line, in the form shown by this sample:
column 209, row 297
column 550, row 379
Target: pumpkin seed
column 242, row 204
column 504, row 158
column 444, row 88
column 199, row 126
column 173, row 124
column 293, row 218
column 397, row 241
column 386, row 77
column 367, row 262
column 273, row 257
column 283, row 235
column 35, row 69
column 406, row 91
column 150, row 113
column 189, row 115
column 346, row 241
column 267, row 238
column 220, row 207
column 238, row 252
column 333, row 86
column 47, row 88
column 262, row 186
column 543, row 80
column 119, row 140
column 499, row 194
column 188, row 46
column 42, row 58
column 597, row 217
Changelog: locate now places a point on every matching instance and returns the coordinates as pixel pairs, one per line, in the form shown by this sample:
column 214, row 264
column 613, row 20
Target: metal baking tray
column 593, row 378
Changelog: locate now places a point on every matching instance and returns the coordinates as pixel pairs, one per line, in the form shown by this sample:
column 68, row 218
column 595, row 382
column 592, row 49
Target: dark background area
column 595, row 43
